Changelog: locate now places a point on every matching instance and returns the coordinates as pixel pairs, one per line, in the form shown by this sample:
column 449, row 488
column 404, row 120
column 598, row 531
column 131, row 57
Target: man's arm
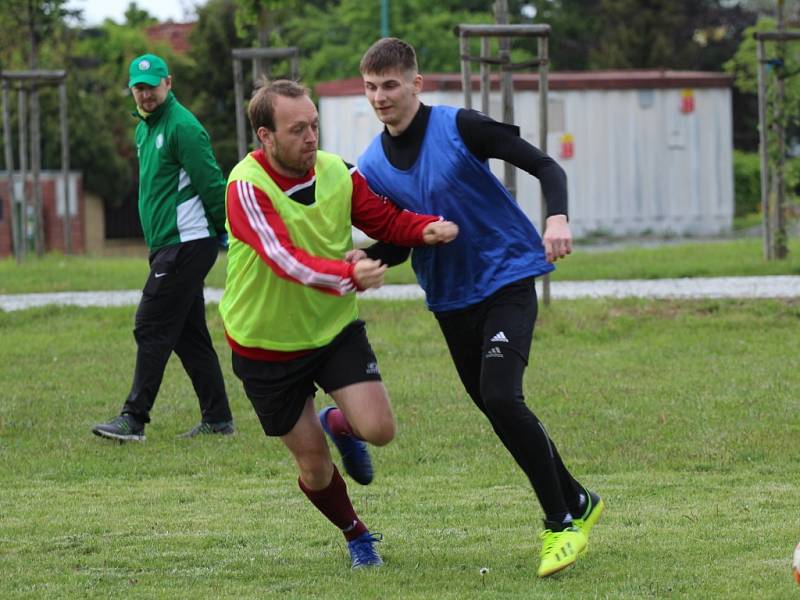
column 487, row 138
column 197, row 159
column 382, row 219
column 388, row 254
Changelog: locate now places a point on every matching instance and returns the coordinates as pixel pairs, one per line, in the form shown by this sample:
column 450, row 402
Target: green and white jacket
column 181, row 187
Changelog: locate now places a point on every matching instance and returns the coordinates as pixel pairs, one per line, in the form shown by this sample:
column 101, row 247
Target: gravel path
column 784, row 286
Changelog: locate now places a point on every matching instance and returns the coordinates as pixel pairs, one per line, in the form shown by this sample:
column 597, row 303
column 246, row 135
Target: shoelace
column 363, row 550
column 549, row 539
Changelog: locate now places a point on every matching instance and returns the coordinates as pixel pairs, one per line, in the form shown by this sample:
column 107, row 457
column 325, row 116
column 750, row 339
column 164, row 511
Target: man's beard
column 297, row 168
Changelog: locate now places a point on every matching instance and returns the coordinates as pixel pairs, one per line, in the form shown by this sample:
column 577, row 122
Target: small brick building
column 53, row 207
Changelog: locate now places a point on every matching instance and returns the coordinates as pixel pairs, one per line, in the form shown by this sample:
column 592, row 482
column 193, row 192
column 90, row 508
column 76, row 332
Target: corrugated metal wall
column 640, row 165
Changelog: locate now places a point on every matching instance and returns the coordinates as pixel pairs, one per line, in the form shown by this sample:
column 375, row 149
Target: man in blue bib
column 480, row 287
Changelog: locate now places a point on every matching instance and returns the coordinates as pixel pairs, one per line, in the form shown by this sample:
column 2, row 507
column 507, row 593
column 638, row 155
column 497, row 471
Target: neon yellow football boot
column 560, row 549
column 592, row 513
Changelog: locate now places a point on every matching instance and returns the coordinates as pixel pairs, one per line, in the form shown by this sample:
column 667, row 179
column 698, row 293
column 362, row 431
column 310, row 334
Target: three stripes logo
column 499, row 337
column 494, row 352
column 565, row 551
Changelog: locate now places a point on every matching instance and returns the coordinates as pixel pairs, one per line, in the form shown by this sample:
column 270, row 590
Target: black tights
column 489, row 343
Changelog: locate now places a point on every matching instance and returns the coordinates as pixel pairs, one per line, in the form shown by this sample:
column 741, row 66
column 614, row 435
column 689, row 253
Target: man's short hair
column 388, row 54
column 262, row 103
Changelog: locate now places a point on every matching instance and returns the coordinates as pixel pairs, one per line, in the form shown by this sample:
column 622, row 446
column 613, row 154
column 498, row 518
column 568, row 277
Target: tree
column 138, row 17
column 744, row 68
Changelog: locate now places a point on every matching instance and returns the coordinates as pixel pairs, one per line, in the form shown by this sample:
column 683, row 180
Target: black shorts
column 278, row 390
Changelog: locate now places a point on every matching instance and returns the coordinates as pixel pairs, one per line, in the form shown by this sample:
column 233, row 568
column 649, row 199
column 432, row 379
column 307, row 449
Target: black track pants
column 171, row 317
column 490, row 343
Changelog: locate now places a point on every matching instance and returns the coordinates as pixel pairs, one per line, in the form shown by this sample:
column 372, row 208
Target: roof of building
column 583, row 80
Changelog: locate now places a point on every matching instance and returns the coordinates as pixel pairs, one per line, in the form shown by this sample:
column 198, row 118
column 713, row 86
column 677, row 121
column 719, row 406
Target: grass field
column 57, row 273
column 683, row 415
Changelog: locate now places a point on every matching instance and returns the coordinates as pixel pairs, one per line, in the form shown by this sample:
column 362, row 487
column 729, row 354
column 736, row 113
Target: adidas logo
column 372, row 369
column 494, row 353
column 499, row 337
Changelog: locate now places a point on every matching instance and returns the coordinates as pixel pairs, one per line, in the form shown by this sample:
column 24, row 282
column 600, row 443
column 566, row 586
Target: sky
column 95, row 11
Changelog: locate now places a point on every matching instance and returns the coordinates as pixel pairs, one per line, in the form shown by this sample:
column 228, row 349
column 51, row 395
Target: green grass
column 56, row 273
column 683, row 415
column 741, row 257
column 59, row 273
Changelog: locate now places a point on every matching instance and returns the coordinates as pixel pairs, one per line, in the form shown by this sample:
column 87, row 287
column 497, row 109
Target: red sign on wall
column 567, row 146
column 687, row 101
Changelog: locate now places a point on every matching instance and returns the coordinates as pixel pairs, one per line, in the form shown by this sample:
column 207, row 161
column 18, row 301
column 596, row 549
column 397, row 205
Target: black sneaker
column 124, row 428
column 203, row 428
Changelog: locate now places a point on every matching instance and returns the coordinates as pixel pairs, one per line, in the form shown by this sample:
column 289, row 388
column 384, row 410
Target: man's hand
column 439, row 232
column 369, row 273
column 557, row 238
column 355, row 255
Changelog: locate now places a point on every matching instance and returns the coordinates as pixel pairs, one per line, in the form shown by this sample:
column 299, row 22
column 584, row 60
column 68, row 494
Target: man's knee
column 379, row 432
column 502, row 402
column 315, row 468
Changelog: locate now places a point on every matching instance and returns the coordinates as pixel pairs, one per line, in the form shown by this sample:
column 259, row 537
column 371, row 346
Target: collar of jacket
column 153, row 117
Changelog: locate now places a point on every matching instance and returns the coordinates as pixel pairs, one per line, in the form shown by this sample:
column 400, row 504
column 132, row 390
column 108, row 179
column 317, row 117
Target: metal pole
column 238, row 88
column 764, row 152
column 543, row 122
column 62, row 93
column 9, row 158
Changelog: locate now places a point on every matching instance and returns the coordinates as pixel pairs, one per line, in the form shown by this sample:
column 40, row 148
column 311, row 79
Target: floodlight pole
column 503, row 31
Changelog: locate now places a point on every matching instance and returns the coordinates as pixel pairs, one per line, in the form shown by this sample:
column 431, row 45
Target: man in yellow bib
column 289, row 306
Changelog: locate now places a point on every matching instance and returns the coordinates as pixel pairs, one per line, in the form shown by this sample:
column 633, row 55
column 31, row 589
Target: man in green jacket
column 182, row 209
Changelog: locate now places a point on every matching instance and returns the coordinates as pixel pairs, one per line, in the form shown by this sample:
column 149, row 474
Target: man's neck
column 395, row 130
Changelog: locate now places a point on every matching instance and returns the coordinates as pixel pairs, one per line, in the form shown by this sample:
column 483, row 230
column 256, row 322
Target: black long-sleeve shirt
column 485, row 138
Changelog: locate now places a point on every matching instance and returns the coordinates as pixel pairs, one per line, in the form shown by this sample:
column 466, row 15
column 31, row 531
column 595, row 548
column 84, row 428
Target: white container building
column 645, row 152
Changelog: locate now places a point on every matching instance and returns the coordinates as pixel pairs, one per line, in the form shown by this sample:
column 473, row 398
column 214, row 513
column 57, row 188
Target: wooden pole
column 9, row 158
column 36, row 170
column 506, row 90
column 504, row 31
column 763, row 151
column 22, row 111
column 781, row 250
column 238, row 88
column 62, row 97
column 486, row 84
column 543, row 130
column 258, row 71
column 466, row 75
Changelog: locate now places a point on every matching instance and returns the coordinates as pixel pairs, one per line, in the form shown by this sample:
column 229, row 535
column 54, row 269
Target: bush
column 746, row 183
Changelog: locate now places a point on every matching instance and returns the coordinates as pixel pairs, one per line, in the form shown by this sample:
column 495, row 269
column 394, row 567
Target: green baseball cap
column 147, row 68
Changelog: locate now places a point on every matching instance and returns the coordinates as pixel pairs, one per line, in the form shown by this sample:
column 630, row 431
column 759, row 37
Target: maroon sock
column 334, row 503
column 338, row 424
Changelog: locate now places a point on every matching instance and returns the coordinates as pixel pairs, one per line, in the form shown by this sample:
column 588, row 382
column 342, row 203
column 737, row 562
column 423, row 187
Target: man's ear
column 417, row 83
column 263, row 135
